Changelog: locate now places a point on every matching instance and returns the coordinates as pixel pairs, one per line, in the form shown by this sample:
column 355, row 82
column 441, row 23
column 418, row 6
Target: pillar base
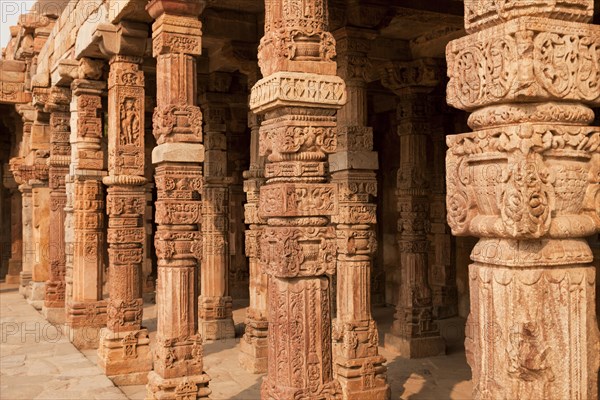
column 84, row 337
column 415, row 347
column 37, row 294
column 14, row 271
column 85, row 319
column 121, row 353
column 217, row 329
column 363, row 378
column 24, row 279
column 253, row 355
column 275, row 390
column 129, row 379
column 54, row 315
column 190, row 387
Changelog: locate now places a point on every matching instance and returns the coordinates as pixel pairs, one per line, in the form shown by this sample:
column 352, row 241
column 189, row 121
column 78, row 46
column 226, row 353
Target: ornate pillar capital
column 412, row 77
column 125, row 38
column 353, row 63
column 180, row 8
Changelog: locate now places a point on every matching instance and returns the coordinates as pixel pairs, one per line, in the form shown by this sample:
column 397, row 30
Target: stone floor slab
column 36, row 365
column 38, row 362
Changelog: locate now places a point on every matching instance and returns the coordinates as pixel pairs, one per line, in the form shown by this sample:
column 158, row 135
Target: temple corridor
column 301, row 199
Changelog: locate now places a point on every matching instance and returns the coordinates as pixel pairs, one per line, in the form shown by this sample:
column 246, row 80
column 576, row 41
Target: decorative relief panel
column 480, row 14
column 298, row 251
column 297, row 88
column 527, row 58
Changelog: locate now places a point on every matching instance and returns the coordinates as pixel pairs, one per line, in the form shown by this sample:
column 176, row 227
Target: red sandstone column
column 40, row 197
column 60, row 158
column 357, row 363
column 215, row 320
column 15, row 263
column 254, row 345
column 124, row 351
column 178, row 362
column 86, row 311
column 299, row 96
column 526, row 182
column 414, row 332
column 442, row 258
column 22, row 173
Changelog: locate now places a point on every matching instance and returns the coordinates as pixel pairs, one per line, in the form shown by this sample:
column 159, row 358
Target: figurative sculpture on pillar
column 124, row 351
column 177, row 122
column 526, row 183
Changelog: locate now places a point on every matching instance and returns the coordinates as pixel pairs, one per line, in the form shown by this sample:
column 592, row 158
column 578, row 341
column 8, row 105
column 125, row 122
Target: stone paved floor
column 41, row 366
column 37, row 362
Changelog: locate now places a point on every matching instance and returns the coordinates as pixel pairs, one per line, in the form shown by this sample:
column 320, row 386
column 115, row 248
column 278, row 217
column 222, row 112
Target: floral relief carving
column 177, row 123
column 530, row 58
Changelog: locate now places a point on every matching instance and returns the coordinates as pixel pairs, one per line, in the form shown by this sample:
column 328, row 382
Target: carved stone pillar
column 357, row 364
column 28, row 246
column 414, row 333
column 40, row 198
column 86, row 311
column 15, row 263
column 178, row 363
column 442, row 260
column 214, row 304
column 254, row 345
column 22, row 173
column 526, row 182
column 297, row 246
column 60, row 158
column 124, row 351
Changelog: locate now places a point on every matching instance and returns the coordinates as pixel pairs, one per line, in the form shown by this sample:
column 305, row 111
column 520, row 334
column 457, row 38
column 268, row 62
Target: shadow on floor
column 443, row 377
